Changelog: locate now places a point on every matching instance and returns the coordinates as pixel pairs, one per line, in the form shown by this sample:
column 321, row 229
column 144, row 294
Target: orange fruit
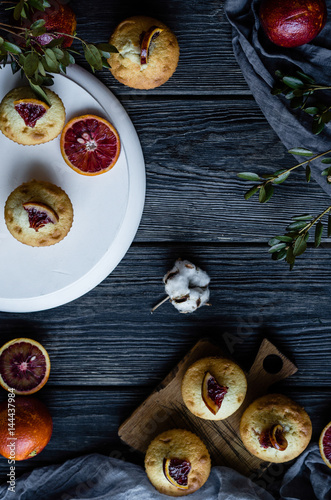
column 176, row 471
column 325, row 444
column 148, row 37
column 30, row 110
column 25, row 427
column 24, row 366
column 90, row 145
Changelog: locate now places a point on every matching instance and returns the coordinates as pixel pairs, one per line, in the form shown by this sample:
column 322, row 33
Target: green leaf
column 281, row 177
column 278, row 73
column 248, row 176
column 292, row 82
column 305, row 77
column 1, row 40
column 326, row 160
column 31, row 63
column 41, row 68
column 286, row 239
column 301, row 152
column 250, row 192
column 318, row 233
column 55, row 42
column 317, row 127
column 93, row 56
column 281, row 254
column 58, row 53
column 329, row 225
column 302, row 217
column 326, row 116
column 300, row 246
column 106, row 49
column 296, row 225
column 18, row 10
column 11, row 47
column 262, row 195
column 277, row 247
column 41, row 94
column 326, row 171
column 290, row 258
column 52, row 63
column 269, row 192
column 277, row 90
column 37, row 4
column 72, row 59
column 312, row 110
column 308, row 173
column 38, row 27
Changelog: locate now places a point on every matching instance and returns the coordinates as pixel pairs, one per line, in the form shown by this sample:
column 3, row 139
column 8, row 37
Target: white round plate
column 107, row 207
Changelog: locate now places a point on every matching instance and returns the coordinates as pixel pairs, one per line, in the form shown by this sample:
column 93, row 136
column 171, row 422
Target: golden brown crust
column 227, row 373
column 182, row 444
column 270, row 410
column 47, row 127
column 17, row 219
column 163, row 54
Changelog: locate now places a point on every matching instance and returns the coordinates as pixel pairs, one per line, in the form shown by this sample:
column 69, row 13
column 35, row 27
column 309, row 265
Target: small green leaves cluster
column 294, row 242
column 39, row 62
column 265, row 182
column 298, row 89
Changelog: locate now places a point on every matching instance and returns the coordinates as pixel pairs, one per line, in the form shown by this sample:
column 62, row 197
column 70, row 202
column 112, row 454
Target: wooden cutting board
column 164, row 409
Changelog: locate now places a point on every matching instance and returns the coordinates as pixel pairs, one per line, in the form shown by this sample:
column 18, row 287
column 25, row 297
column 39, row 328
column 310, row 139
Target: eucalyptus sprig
column 40, row 62
column 294, row 242
column 298, row 89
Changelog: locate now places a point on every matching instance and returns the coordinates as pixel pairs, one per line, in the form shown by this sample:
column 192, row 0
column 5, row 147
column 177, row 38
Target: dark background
column 197, row 132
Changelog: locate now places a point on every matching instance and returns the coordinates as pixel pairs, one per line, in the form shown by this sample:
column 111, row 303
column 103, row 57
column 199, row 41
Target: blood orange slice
column 176, row 471
column 24, row 366
column 90, row 145
column 325, row 444
column 31, row 110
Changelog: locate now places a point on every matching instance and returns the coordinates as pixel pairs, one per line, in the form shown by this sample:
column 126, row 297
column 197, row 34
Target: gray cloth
column 97, row 477
column 259, row 58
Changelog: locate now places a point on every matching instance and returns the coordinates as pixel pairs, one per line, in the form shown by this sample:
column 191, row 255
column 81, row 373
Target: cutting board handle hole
column 273, row 364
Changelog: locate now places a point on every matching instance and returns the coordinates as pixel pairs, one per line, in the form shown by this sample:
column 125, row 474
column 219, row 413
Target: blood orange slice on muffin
column 30, row 110
column 325, row 444
column 90, row 145
column 24, row 366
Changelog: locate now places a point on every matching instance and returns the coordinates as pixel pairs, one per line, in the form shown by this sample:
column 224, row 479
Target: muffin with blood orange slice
column 27, row 120
column 148, row 53
column 90, row 145
column 38, row 213
column 275, row 428
column 177, row 462
column 213, row 388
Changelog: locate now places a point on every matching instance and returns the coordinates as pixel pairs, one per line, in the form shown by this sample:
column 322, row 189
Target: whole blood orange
column 325, row 444
column 90, row 145
column 24, row 366
column 25, row 427
column 59, row 19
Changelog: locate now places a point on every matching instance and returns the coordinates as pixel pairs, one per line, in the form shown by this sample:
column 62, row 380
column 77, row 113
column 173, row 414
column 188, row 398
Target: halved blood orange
column 176, row 470
column 325, row 444
column 90, row 145
column 30, row 110
column 24, row 366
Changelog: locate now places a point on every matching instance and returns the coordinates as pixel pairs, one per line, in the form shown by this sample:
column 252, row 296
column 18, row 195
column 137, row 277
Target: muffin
column 177, row 463
column 275, row 428
column 147, row 55
column 213, row 388
column 38, row 213
column 29, row 121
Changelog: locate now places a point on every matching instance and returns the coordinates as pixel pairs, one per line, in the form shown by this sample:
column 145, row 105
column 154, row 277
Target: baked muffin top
column 223, row 379
column 259, row 422
column 163, row 55
column 46, row 128
column 38, row 213
column 179, row 454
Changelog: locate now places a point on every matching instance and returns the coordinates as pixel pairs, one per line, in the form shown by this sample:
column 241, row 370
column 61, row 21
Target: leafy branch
column 40, row 62
column 266, row 188
column 294, row 242
column 298, row 89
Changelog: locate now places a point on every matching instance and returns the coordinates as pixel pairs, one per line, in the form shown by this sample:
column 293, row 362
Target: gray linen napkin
column 97, row 477
column 259, row 58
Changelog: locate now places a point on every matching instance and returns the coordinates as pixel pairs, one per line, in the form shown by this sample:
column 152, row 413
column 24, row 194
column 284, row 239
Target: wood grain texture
column 108, row 337
column 166, row 409
column 86, row 421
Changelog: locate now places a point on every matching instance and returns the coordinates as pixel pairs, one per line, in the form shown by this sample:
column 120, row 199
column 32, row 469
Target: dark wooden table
column 197, row 132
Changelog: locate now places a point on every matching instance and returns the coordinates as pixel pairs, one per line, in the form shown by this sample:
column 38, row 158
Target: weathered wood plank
column 206, row 65
column 193, row 152
column 108, row 337
column 86, row 421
